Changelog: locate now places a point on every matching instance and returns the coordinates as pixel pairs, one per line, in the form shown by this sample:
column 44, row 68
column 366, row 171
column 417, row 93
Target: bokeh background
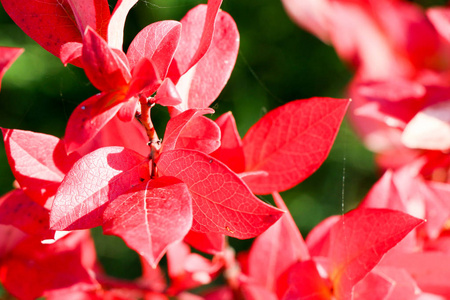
column 277, row 63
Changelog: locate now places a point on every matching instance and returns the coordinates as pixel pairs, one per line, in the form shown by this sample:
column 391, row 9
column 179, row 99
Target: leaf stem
column 144, row 117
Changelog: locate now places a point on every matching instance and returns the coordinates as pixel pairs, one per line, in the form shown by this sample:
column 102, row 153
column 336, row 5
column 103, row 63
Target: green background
column 278, row 62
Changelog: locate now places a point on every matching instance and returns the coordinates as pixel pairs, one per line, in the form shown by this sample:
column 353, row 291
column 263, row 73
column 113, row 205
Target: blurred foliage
column 278, row 62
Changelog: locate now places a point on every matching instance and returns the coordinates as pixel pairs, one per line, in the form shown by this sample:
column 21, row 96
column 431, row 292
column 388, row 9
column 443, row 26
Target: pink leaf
column 252, row 291
column 117, row 22
column 200, row 134
column 96, row 179
column 403, row 285
column 89, row 118
column 179, row 126
column 440, row 18
column 108, row 70
column 304, row 283
column 374, row 286
column 430, row 269
column 17, row 209
column 429, row 128
column 204, row 82
column 231, row 151
column 222, row 203
column 71, row 53
column 358, row 242
column 291, row 142
column 394, row 90
column 7, row 57
column 274, row 251
column 151, row 216
column 318, row 239
column 156, row 42
column 196, row 36
column 38, row 161
column 167, row 94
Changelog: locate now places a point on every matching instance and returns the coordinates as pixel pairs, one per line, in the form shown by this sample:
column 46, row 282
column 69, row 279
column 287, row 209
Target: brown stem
column 153, row 141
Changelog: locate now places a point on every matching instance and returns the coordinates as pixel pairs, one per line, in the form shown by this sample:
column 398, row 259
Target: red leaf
column 156, row 42
column 19, row 210
column 10, row 237
column 92, row 13
column 211, row 243
column 222, row 203
column 106, row 69
column 274, row 251
column 291, row 142
column 33, row 268
column 117, row 22
column 196, row 35
column 51, row 24
column 201, row 85
column 151, row 216
column 145, row 79
column 179, row 128
column 90, row 117
column 129, row 135
column 96, row 179
column 54, row 23
column 231, row 151
column 358, row 242
column 7, row 57
column 304, row 283
column 38, row 161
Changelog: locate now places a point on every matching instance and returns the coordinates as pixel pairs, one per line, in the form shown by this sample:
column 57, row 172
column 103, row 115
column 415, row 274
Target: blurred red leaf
column 211, row 243
column 17, row 209
column 275, row 250
column 7, row 57
column 304, row 283
column 33, row 268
